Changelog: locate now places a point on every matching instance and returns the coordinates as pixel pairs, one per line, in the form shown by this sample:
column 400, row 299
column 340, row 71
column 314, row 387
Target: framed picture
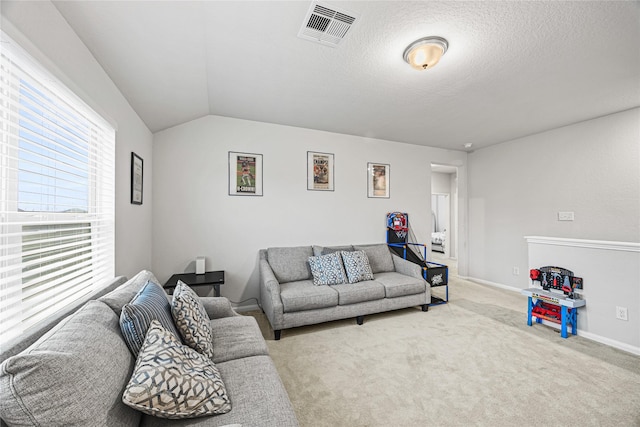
column 319, row 171
column 137, row 175
column 245, row 174
column 378, row 180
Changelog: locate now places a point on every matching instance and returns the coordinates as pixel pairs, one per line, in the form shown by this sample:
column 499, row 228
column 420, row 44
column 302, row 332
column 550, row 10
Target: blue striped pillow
column 149, row 304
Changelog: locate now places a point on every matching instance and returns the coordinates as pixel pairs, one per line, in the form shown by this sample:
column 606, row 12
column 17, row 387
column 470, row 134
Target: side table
column 210, row 278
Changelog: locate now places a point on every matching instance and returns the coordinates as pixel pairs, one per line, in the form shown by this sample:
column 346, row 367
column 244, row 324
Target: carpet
column 473, row 361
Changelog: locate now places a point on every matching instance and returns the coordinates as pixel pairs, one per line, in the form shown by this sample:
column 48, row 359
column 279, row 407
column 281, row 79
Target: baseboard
column 494, row 284
column 245, row 308
column 588, row 335
column 608, row 341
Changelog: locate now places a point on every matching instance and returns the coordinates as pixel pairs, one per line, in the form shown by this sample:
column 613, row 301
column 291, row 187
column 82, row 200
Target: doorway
column 444, row 208
column 440, row 213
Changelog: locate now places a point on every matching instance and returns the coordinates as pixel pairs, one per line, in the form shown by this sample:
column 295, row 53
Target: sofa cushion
column 303, row 295
column 327, row 269
column 379, row 257
column 172, row 380
column 324, row 250
column 256, row 391
column 149, row 304
column 290, row 264
column 398, row 285
column 123, row 294
column 236, row 337
column 356, row 264
column 72, row 376
column 191, row 319
column 352, row 293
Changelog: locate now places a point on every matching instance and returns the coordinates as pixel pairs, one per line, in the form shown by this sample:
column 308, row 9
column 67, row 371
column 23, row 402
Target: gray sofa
column 290, row 299
column 75, row 374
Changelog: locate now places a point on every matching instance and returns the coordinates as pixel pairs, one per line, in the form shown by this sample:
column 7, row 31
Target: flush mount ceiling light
column 426, row 52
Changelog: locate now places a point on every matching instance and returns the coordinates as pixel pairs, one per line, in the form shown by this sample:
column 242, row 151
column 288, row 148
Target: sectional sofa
column 290, row 299
column 73, row 371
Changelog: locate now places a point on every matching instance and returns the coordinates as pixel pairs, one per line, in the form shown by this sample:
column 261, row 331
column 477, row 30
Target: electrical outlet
column 516, row 271
column 621, row 313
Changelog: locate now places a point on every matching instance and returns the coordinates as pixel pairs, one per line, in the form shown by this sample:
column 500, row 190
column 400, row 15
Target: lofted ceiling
column 512, row 68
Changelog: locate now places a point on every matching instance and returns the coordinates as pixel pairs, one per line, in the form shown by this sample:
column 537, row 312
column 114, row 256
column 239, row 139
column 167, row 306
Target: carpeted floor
column 473, row 361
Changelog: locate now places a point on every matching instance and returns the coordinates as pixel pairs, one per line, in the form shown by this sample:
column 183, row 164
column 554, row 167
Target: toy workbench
column 557, row 301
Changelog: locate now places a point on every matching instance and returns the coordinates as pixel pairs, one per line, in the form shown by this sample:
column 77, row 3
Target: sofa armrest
column 218, row 307
column 408, row 268
column 270, row 295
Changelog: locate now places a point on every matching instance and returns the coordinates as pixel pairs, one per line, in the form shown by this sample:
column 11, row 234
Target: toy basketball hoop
column 398, row 222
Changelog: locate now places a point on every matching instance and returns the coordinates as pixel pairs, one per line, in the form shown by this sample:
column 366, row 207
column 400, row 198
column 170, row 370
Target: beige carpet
column 473, row 361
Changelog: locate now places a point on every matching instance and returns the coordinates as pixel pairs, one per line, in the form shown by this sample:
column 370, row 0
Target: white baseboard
column 612, row 343
column 588, row 335
column 494, row 284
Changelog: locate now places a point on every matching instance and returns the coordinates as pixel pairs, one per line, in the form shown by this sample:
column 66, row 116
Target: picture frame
column 378, row 180
column 320, row 171
column 245, row 174
column 137, row 178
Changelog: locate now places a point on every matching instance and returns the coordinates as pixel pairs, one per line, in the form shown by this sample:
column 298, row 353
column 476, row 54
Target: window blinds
column 57, row 159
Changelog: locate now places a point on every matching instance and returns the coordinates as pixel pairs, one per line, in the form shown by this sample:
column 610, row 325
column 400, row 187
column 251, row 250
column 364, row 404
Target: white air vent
column 326, row 24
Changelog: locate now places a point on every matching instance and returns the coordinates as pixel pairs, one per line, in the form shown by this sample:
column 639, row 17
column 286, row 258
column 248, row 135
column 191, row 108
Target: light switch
column 565, row 216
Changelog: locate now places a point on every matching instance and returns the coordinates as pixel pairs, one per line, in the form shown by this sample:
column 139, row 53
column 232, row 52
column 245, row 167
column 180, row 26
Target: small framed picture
column 137, row 175
column 319, row 171
column 245, row 174
column 378, row 180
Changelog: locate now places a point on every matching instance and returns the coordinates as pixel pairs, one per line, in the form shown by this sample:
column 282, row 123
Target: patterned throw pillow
column 327, row 269
column 192, row 319
column 171, row 380
column 357, row 266
column 150, row 303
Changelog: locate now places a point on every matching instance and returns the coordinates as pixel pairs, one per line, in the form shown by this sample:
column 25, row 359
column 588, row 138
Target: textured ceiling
column 512, row 68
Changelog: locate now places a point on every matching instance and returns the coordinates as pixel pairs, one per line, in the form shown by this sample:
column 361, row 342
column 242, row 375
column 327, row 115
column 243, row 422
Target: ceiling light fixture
column 426, row 52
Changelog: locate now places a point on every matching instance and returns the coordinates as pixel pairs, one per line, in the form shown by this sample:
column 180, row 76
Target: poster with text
column 245, row 174
column 319, row 171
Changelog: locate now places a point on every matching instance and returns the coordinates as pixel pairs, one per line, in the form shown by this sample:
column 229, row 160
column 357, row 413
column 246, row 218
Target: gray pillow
column 149, row 304
column 192, row 320
column 171, row 380
column 124, row 293
column 379, row 256
column 71, row 376
column 290, row 264
column 331, row 249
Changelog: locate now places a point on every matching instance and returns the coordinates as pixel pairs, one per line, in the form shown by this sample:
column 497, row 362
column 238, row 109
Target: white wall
column 43, row 32
column 517, row 189
column 194, row 215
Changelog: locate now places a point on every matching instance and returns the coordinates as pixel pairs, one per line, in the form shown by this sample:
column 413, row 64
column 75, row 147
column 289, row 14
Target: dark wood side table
column 210, row 278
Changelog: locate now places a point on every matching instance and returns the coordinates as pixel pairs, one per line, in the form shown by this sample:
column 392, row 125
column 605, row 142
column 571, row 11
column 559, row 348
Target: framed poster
column 245, row 174
column 137, row 175
column 319, row 171
column 378, row 180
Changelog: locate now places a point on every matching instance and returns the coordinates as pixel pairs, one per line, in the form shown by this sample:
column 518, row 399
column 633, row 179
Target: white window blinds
column 57, row 159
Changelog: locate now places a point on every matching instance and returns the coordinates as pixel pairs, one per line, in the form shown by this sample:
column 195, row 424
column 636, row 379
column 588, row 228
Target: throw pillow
column 150, row 303
column 192, row 320
column 327, row 269
column 171, row 380
column 356, row 264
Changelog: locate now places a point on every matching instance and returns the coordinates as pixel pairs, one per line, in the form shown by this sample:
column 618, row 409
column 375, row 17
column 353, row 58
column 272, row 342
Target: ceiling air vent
column 326, row 24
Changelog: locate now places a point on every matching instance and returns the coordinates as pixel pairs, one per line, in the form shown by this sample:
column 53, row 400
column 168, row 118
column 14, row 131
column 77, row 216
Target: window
column 57, row 159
